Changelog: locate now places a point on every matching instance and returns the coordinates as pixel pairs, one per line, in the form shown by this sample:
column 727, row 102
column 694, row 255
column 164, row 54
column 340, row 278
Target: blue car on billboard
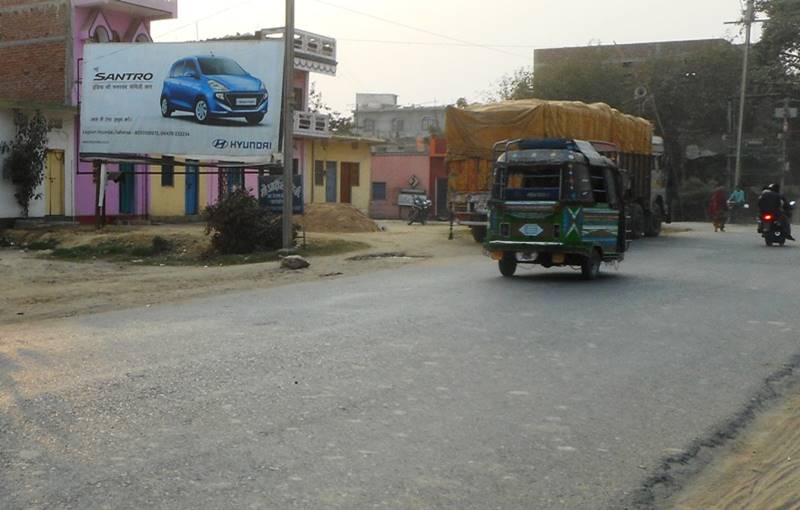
column 213, row 87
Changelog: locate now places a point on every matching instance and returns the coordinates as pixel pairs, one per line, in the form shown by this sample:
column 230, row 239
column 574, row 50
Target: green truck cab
column 555, row 202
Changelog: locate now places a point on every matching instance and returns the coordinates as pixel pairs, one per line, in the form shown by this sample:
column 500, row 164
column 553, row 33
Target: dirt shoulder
column 34, row 286
column 760, row 471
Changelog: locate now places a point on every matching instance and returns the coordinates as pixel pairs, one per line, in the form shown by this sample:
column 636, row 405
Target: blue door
column 127, row 189
column 330, row 182
column 192, row 183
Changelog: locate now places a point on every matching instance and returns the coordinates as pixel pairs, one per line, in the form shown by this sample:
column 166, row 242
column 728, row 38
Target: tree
column 26, row 155
column 339, row 122
column 779, row 48
column 518, row 85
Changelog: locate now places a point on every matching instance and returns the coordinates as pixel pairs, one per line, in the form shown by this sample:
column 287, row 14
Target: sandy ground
column 760, row 472
column 35, row 287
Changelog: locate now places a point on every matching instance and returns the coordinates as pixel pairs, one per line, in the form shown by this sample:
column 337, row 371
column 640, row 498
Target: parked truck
column 472, row 132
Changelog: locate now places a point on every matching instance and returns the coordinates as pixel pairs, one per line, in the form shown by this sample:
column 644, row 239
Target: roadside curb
column 676, row 470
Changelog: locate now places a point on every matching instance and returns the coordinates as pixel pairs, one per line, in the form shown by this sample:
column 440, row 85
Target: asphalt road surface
column 439, row 385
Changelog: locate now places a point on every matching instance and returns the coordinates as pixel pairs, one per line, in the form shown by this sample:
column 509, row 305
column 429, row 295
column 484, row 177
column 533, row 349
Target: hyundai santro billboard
column 218, row 99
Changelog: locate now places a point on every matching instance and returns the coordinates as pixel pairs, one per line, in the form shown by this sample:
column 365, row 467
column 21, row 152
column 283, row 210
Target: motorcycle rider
column 773, row 202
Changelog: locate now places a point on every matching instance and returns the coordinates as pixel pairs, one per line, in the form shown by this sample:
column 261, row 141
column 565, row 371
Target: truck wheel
column 478, row 233
column 635, row 222
column 591, row 265
column 508, row 265
column 653, row 223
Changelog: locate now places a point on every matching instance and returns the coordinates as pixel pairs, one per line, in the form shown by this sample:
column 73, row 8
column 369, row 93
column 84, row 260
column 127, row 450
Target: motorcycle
column 420, row 208
column 772, row 227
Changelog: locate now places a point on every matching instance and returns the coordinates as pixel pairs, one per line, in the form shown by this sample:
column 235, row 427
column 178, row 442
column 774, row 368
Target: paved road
column 439, row 385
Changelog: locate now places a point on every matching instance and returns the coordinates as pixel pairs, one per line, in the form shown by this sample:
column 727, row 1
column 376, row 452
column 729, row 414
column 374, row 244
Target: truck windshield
column 540, row 182
column 565, row 181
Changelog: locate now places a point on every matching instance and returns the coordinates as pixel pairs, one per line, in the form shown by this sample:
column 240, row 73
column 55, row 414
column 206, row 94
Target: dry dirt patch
column 35, row 287
column 761, row 471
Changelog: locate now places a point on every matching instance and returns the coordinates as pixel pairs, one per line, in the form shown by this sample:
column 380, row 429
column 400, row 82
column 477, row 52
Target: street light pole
column 288, row 127
column 748, row 23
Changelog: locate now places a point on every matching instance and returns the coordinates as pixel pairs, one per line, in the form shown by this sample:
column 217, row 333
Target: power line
column 422, row 43
column 422, row 30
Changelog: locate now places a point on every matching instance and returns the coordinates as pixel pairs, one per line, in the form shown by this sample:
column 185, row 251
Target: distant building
column 625, row 55
column 379, row 116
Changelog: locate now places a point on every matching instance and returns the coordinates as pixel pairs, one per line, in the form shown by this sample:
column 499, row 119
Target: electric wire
column 421, row 30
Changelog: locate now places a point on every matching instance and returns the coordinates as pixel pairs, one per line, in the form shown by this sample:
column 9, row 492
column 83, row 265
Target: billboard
column 215, row 99
column 272, row 193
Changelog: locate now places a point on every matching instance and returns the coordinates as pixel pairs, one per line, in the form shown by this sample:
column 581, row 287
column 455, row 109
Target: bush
column 238, row 224
column 26, row 157
column 695, row 195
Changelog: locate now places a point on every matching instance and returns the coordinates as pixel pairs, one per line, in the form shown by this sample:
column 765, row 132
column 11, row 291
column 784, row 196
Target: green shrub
column 25, row 161
column 237, row 224
column 161, row 245
column 42, row 244
column 695, row 195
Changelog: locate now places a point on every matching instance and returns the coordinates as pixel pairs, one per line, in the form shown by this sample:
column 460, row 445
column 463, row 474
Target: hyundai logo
column 220, row 144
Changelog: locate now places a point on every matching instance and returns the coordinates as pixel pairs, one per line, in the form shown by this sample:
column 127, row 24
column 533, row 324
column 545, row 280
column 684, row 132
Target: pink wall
column 84, row 184
column 118, row 21
column 395, row 170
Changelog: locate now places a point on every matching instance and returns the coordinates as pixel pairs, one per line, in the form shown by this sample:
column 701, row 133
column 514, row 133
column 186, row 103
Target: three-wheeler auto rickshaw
column 555, row 202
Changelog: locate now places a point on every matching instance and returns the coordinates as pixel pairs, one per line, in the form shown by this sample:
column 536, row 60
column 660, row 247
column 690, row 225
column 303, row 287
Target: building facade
column 379, row 116
column 41, row 54
column 402, row 169
column 627, row 56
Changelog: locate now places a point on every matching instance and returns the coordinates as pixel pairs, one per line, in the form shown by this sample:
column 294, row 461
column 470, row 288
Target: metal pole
column 288, row 126
column 748, row 23
column 785, row 165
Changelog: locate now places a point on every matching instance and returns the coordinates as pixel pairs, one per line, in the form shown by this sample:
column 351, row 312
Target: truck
column 472, row 132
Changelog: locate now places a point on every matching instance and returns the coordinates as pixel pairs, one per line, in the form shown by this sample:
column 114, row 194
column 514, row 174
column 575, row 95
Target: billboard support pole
column 97, row 204
column 288, row 127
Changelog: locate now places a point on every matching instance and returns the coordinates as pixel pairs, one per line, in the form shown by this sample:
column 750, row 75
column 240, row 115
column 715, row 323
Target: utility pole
column 786, row 168
column 748, row 23
column 288, row 128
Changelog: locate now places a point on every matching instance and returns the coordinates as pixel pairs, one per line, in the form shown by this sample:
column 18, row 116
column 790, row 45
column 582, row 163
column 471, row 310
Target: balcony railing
column 152, row 9
column 312, row 124
column 313, row 52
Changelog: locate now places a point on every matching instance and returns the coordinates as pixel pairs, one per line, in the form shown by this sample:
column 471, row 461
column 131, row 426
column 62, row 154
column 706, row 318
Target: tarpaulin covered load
column 471, row 132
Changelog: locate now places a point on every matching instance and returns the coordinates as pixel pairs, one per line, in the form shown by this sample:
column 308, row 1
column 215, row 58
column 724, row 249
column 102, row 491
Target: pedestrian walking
column 718, row 209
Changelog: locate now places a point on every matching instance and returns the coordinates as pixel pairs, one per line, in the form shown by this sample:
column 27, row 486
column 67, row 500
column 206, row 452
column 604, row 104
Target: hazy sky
column 420, row 49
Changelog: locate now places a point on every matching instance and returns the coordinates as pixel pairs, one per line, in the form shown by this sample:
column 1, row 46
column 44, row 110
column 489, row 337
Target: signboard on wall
column 217, row 99
column 272, row 193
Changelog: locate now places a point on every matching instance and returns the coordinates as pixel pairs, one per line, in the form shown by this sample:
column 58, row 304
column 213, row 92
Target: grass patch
column 6, row 242
column 162, row 251
column 102, row 250
column 334, row 247
column 42, row 244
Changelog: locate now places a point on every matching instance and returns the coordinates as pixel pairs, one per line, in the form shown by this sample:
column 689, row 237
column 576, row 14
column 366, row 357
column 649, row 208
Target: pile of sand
column 335, row 218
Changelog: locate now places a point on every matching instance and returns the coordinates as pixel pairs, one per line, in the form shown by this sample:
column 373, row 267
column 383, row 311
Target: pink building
column 46, row 40
column 398, row 167
column 101, row 22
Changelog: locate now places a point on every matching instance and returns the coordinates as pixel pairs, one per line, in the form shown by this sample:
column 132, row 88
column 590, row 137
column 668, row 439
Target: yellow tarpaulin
column 471, row 132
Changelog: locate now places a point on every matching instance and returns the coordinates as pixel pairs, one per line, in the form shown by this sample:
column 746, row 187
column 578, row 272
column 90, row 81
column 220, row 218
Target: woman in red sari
column 718, row 208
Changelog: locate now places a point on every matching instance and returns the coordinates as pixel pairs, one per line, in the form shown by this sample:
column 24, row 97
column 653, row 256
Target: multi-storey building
column 379, row 115
column 408, row 162
column 41, row 52
column 627, row 56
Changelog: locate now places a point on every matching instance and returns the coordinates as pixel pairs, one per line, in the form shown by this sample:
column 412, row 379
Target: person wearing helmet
column 773, row 202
